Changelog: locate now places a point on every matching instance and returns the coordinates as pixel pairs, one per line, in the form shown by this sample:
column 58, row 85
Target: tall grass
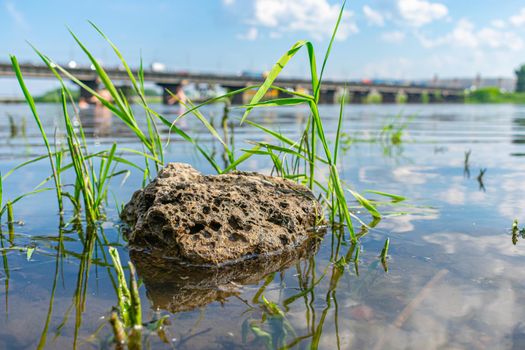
column 52, row 160
column 91, row 179
column 300, row 160
column 304, row 160
column 314, row 136
column 314, row 132
column 127, row 323
column 92, row 187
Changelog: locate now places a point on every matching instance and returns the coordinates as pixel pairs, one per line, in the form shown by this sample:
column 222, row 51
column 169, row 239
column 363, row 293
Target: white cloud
column 16, row 15
column 228, row 2
column 498, row 23
column 454, row 195
column 519, row 19
column 420, row 12
column 465, row 34
column 374, row 17
column 412, row 175
column 406, row 222
column 513, row 201
column 315, row 17
column 251, row 34
column 500, row 39
column 393, row 37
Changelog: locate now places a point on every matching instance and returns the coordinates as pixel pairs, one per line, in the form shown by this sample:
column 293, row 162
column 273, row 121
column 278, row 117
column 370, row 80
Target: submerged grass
column 10, row 221
column 392, row 133
column 384, row 254
column 517, row 232
column 130, row 310
column 126, row 321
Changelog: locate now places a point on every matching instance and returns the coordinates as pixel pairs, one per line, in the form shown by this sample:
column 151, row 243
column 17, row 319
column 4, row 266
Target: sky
column 378, row 39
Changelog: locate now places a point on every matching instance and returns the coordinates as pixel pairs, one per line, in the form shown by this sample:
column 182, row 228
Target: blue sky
column 408, row 39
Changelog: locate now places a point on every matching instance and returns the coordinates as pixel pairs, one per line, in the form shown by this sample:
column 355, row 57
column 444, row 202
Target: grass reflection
column 268, row 325
column 5, row 263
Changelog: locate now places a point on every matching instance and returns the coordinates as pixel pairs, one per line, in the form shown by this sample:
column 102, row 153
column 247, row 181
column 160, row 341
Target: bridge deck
column 173, row 78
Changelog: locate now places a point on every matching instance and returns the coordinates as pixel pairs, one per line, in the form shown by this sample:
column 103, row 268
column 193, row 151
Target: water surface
column 454, row 275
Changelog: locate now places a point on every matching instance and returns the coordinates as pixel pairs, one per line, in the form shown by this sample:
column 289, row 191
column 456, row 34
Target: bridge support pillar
column 435, row 96
column 85, row 94
column 327, row 96
column 415, row 98
column 175, row 89
column 358, row 97
column 389, row 97
column 453, row 98
column 237, row 99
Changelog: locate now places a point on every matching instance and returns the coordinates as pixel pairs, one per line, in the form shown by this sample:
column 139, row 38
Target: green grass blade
column 329, row 49
column 82, row 169
column 104, row 78
column 215, row 99
column 289, row 101
column 284, row 139
column 206, row 123
column 384, row 254
column 121, row 58
column 136, row 310
column 292, row 93
column 395, row 197
column 142, row 154
column 30, row 193
column 242, row 159
column 121, row 114
column 283, row 150
column 123, row 292
column 278, row 67
column 188, row 138
column 21, row 165
column 10, row 215
column 32, row 106
column 339, row 125
column 341, row 201
column 365, row 203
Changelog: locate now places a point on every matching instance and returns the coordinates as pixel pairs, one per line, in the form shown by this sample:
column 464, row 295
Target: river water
column 455, row 279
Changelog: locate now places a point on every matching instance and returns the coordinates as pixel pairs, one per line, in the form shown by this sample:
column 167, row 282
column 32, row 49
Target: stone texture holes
column 217, row 219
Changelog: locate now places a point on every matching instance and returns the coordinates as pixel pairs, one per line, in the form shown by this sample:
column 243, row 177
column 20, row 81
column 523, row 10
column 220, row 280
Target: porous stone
column 218, row 219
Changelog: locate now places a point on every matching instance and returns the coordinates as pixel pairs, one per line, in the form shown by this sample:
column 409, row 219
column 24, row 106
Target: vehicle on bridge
column 158, row 67
column 253, row 74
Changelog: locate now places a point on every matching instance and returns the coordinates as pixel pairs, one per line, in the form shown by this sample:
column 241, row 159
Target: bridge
column 174, row 81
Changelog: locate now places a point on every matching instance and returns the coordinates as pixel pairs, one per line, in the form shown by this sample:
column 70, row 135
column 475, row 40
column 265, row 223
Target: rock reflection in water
column 175, row 287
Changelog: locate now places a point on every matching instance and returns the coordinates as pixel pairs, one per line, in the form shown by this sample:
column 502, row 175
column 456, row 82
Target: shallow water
column 454, row 276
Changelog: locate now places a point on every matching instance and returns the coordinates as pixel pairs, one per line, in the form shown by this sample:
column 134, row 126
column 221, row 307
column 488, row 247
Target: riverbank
column 494, row 95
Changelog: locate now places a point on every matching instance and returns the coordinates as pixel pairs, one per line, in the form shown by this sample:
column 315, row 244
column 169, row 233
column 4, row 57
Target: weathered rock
column 217, row 219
